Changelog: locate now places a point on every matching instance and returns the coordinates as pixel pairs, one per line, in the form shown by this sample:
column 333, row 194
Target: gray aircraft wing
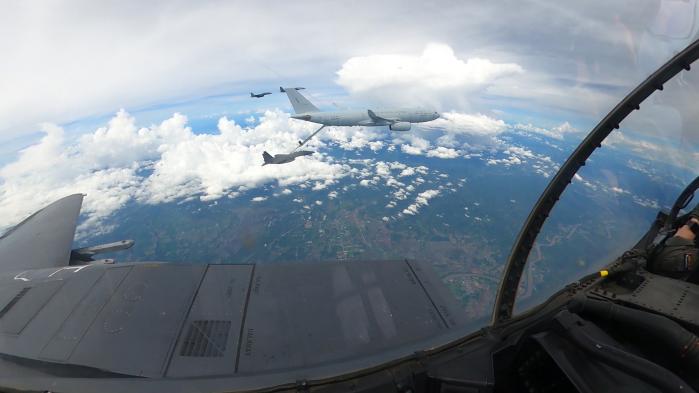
column 170, row 327
column 42, row 240
column 176, row 327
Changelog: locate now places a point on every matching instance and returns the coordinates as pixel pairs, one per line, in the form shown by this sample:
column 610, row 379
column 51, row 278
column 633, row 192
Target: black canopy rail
column 682, row 201
column 504, row 302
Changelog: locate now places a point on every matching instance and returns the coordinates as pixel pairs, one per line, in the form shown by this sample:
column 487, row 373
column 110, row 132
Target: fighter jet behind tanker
column 284, row 158
column 259, row 95
column 395, row 119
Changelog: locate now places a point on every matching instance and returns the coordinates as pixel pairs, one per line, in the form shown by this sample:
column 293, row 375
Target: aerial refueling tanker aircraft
column 395, row 119
column 69, row 323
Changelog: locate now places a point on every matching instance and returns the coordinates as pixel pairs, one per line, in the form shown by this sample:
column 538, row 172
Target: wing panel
column 302, row 315
column 48, row 320
column 136, row 330
column 208, row 342
column 434, row 288
column 84, row 313
column 31, row 302
column 10, row 295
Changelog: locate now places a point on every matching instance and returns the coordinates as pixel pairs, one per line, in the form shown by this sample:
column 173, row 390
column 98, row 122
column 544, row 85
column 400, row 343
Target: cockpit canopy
column 641, row 166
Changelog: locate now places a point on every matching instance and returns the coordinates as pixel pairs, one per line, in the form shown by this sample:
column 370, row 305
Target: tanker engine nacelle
column 400, row 126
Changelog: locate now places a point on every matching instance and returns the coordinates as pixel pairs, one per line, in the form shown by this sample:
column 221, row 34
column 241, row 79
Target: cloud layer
column 63, row 61
column 436, row 76
column 168, row 162
column 161, row 163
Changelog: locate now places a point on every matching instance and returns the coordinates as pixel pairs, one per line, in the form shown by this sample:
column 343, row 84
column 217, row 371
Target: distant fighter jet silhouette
column 260, row 95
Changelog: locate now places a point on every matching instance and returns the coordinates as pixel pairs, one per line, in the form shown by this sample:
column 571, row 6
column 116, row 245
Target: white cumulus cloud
column 471, row 124
column 558, row 132
column 412, row 144
column 121, row 162
column 443, row 152
column 437, row 75
column 407, row 172
column 421, row 200
column 470, row 130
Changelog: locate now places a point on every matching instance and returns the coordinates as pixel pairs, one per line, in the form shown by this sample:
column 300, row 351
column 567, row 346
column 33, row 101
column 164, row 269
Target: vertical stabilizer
column 267, row 157
column 298, row 101
column 44, row 239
